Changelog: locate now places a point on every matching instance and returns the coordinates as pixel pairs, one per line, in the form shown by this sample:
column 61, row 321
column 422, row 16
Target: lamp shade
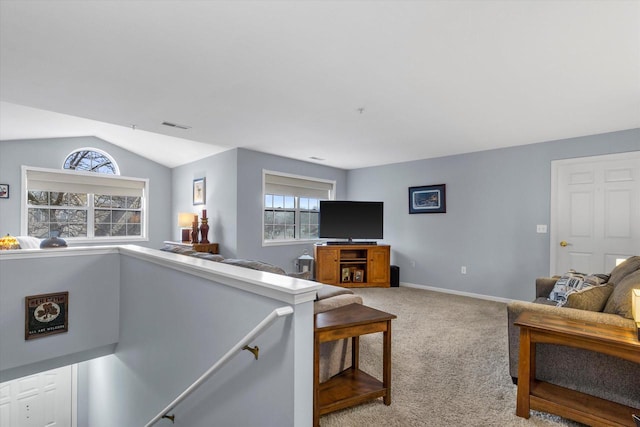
column 185, row 219
column 9, row 242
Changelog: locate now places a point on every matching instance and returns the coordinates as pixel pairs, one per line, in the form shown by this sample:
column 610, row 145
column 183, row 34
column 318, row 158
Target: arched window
column 91, row 160
column 87, row 200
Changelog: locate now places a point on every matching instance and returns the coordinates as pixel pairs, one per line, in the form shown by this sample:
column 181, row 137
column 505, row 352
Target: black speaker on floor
column 395, row 276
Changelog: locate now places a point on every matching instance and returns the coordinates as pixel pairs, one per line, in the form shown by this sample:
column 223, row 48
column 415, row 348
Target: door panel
column 41, row 400
column 595, row 209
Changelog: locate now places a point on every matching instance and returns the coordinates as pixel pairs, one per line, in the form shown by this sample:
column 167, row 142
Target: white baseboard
column 453, row 292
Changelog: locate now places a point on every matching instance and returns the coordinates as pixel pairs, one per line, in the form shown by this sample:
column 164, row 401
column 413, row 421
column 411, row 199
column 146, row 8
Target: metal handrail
column 278, row 312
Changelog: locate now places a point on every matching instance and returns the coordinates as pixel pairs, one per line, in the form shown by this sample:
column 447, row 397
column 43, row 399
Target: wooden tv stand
column 353, row 265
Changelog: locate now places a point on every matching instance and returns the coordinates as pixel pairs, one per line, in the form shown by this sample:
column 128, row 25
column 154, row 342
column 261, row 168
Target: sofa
column 589, row 372
column 335, row 356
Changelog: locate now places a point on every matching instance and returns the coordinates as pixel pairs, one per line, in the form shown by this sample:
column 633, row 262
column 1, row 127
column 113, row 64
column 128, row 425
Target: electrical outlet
column 463, row 270
column 413, row 263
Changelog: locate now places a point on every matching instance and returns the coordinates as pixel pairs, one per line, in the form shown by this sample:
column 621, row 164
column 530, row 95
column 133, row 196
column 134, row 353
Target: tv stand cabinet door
column 327, row 265
column 378, row 266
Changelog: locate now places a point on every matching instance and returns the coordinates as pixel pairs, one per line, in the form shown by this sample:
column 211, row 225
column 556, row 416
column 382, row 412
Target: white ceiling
column 433, row 78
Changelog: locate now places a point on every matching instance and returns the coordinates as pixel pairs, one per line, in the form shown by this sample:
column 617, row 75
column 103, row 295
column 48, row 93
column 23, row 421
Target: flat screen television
column 351, row 220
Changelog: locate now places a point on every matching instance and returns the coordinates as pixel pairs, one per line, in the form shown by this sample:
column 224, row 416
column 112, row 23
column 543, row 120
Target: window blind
column 297, row 186
column 83, row 182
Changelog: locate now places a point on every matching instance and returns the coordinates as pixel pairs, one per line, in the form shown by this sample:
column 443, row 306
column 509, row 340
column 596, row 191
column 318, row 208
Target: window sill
column 104, row 240
column 267, row 243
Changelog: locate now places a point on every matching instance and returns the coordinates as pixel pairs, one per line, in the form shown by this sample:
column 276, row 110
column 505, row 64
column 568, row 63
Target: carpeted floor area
column 450, row 364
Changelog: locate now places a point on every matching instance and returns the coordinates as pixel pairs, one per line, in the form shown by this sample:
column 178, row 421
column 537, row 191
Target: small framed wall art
column 4, row 191
column 46, row 314
column 199, row 191
column 428, row 199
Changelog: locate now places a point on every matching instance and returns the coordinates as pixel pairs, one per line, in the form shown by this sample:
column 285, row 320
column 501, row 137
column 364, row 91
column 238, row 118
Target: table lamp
column 184, row 222
column 635, row 309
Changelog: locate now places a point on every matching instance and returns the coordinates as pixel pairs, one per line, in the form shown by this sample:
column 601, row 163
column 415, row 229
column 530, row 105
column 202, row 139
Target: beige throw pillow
column 620, row 300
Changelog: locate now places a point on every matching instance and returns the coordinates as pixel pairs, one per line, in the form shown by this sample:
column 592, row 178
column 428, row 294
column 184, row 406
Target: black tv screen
column 351, row 220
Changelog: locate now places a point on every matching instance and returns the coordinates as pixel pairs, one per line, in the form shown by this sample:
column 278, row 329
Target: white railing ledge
column 283, row 288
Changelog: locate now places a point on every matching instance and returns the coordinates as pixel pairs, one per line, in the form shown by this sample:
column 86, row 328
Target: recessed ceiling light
column 174, row 125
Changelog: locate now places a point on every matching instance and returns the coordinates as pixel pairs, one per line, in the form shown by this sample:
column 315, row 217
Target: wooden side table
column 352, row 386
column 211, row 248
column 533, row 394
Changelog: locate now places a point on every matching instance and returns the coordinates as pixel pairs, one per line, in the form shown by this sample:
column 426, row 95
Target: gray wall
column 89, row 335
column 250, row 166
column 221, row 197
column 234, row 200
column 51, row 153
column 174, row 327
column 495, row 199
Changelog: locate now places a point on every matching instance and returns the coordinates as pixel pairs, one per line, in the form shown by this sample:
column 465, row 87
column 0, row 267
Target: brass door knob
column 564, row 243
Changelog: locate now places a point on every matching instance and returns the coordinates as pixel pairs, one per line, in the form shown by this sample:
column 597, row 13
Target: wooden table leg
column 386, row 363
column 526, row 359
column 355, row 353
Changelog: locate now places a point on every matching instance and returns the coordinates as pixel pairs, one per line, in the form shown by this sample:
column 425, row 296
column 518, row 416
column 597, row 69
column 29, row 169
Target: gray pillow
column 255, row 265
column 207, row 255
column 626, row 267
column 593, row 299
column 620, row 300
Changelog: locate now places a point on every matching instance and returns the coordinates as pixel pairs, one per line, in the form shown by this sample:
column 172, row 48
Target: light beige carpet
column 449, row 364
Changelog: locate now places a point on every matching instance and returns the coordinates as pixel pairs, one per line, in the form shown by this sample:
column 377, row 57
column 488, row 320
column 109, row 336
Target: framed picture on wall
column 199, row 191
column 428, row 199
column 46, row 314
column 4, row 191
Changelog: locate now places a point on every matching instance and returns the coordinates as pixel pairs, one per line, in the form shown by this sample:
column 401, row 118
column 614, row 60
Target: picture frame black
column 428, row 199
column 199, row 191
column 4, row 191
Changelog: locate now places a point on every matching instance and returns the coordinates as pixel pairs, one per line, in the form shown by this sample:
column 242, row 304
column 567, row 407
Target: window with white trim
column 291, row 206
column 83, row 205
column 91, row 160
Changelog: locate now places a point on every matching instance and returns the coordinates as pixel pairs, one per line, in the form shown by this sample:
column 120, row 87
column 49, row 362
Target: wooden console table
column 533, row 394
column 352, row 386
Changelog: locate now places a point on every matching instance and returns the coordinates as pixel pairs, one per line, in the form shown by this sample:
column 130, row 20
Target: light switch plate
column 541, row 228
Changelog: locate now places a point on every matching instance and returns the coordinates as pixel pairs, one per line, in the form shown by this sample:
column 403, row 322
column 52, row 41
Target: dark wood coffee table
column 352, row 386
column 534, row 394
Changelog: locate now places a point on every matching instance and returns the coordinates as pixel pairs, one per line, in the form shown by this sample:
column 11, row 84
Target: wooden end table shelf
column 352, row 386
column 533, row 394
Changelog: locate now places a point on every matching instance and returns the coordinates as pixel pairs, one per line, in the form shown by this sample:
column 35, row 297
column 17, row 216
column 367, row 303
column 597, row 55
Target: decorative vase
column 204, row 231
column 194, row 231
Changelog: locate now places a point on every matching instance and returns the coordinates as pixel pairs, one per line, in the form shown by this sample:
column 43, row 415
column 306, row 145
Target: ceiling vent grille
column 175, row 125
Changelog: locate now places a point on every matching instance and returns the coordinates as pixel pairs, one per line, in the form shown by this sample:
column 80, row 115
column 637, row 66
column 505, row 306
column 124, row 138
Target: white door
column 595, row 212
column 41, row 400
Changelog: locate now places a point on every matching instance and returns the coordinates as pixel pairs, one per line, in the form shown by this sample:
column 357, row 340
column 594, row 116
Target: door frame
column 553, row 224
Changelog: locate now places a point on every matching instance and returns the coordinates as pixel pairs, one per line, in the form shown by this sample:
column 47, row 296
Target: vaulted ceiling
column 348, row 84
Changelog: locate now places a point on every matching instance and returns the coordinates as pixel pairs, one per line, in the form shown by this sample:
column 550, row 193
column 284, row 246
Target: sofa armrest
column 544, row 285
column 336, row 301
column 514, row 309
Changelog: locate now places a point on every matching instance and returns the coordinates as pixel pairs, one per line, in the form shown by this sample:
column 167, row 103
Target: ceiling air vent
column 174, row 125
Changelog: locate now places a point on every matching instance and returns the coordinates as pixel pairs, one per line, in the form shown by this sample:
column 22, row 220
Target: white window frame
column 112, row 181
column 326, row 183
column 97, row 150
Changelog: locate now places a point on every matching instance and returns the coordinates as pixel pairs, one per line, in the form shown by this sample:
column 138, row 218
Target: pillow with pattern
column 574, row 283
